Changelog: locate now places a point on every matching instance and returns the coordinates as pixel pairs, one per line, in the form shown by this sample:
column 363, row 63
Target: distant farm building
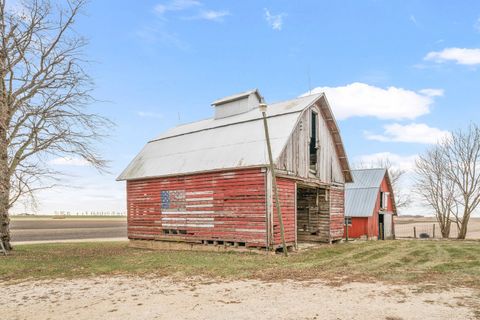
column 208, row 182
column 370, row 205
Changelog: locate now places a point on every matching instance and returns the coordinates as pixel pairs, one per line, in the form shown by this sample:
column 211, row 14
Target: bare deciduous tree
column 44, row 93
column 395, row 174
column 462, row 156
column 455, row 164
column 435, row 188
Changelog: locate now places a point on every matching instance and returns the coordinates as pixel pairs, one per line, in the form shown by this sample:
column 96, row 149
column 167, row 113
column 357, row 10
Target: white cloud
column 176, row 5
column 459, row 55
column 361, row 100
column 211, row 15
column 70, row 161
column 414, row 133
column 397, row 161
column 432, row 92
column 184, row 5
column 274, row 20
column 147, row 114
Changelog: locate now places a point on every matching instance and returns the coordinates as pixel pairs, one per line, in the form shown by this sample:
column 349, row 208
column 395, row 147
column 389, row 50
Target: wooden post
column 393, row 228
column 381, row 231
column 434, row 230
column 263, row 109
column 415, row 232
column 346, row 228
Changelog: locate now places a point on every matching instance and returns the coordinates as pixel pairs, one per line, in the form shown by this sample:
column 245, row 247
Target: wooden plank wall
column 286, row 191
column 220, row 206
column 295, row 157
column 324, row 216
column 337, row 212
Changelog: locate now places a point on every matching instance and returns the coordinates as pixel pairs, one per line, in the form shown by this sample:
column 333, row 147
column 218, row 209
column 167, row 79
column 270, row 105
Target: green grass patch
column 450, row 262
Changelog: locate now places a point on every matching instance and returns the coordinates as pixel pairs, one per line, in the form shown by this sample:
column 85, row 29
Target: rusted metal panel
column 222, row 206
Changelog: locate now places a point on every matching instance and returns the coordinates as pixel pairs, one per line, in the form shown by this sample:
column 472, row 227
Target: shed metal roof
column 215, row 144
column 361, row 195
column 367, row 178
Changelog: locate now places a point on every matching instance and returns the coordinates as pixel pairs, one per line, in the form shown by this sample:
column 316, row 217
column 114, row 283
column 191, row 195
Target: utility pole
column 263, row 110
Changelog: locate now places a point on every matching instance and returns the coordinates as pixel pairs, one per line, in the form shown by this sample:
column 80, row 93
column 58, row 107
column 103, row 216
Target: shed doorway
column 381, row 227
column 312, row 214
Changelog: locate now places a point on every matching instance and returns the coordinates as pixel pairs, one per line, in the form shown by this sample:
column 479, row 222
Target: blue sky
column 398, row 74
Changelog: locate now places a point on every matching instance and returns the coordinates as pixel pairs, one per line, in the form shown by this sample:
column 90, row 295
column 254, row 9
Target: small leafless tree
column 462, row 157
column 455, row 164
column 44, row 93
column 435, row 188
column 395, row 174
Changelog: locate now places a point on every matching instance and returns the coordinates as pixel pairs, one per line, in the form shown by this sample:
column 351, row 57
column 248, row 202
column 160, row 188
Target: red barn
column 208, row 182
column 370, row 205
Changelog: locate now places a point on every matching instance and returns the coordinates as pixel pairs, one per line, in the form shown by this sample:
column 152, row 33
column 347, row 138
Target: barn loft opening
column 313, row 141
column 313, row 211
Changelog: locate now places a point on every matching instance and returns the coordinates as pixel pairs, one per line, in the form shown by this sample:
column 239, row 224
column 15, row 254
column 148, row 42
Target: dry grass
column 448, row 262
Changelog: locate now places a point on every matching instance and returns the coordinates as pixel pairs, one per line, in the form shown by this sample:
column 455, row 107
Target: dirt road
column 45, row 229
column 163, row 298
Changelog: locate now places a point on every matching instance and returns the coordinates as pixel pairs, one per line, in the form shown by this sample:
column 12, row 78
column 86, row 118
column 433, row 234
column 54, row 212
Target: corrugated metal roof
column 360, row 202
column 366, row 178
column 214, row 144
column 361, row 195
column 275, row 109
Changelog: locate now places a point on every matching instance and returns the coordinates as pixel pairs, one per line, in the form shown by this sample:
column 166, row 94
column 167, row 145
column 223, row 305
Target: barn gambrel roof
column 361, row 195
column 227, row 143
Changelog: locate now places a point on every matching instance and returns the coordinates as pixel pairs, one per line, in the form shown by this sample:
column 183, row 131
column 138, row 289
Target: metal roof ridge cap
column 223, row 125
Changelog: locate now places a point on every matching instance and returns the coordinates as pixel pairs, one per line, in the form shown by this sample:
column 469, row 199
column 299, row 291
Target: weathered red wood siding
column 337, row 212
column 286, row 193
column 359, row 227
column 219, row 206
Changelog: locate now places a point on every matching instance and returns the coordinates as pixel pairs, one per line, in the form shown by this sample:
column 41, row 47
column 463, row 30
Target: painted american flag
column 181, row 209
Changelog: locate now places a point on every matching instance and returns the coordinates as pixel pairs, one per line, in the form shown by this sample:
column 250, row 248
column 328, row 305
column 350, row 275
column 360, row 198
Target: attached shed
column 370, row 205
column 208, row 182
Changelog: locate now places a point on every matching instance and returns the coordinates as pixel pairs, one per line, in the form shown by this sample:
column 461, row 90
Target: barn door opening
column 312, row 214
column 381, row 227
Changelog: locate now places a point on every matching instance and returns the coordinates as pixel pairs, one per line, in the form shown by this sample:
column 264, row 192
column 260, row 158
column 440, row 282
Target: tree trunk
column 445, row 229
column 4, row 184
column 4, row 206
column 462, row 231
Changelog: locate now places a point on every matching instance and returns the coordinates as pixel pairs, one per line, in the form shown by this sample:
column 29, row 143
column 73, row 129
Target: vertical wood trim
column 269, row 203
column 295, row 223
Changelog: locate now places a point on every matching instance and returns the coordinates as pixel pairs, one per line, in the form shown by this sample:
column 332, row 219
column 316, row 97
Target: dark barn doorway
column 381, row 227
column 313, row 210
